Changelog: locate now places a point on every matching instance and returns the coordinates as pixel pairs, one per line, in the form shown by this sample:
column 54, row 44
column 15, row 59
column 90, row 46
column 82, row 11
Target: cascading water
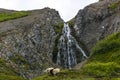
column 66, row 55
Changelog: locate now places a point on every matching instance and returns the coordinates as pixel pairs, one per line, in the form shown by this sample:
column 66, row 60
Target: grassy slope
column 105, row 58
column 7, row 72
column 64, row 75
column 12, row 15
column 71, row 75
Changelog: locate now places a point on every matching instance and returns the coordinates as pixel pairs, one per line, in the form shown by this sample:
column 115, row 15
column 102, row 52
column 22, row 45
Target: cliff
column 97, row 21
column 27, row 42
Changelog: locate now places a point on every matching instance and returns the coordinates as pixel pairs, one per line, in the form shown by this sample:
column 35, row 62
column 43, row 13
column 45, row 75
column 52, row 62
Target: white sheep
column 54, row 71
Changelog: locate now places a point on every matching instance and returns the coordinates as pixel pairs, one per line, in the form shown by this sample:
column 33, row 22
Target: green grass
column 13, row 15
column 72, row 75
column 7, row 72
column 105, row 58
column 98, row 69
column 10, row 77
column 110, row 47
column 64, row 75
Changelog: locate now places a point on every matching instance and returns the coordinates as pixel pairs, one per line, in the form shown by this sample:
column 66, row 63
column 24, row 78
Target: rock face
column 96, row 21
column 26, row 44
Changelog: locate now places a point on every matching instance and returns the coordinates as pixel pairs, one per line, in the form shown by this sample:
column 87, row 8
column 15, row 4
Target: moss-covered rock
column 71, row 23
column 58, row 27
column 114, row 5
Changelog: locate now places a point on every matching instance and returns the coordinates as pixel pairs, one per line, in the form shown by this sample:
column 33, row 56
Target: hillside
column 105, row 58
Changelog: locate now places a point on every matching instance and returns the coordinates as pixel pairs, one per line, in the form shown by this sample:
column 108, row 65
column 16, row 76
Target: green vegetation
column 4, row 68
column 105, row 58
column 13, row 15
column 55, row 50
column 7, row 72
column 71, row 75
column 17, row 58
column 108, row 50
column 58, row 27
column 114, row 5
column 71, row 23
column 10, row 77
column 102, row 69
column 64, row 75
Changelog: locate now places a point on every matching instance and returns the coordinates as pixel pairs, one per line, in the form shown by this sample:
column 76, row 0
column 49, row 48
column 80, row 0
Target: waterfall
column 66, row 55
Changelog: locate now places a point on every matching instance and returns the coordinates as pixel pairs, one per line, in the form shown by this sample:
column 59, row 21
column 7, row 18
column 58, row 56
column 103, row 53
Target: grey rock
column 97, row 21
column 27, row 43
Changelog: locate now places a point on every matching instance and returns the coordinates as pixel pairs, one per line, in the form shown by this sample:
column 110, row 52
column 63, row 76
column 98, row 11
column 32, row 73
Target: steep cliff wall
column 97, row 21
column 26, row 44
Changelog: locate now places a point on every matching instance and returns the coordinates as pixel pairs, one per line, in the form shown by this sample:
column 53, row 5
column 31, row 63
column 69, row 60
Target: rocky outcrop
column 26, row 44
column 96, row 21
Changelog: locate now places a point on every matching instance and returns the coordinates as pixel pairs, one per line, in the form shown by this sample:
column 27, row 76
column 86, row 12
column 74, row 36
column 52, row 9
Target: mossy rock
column 114, row 5
column 55, row 50
column 58, row 27
column 71, row 23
